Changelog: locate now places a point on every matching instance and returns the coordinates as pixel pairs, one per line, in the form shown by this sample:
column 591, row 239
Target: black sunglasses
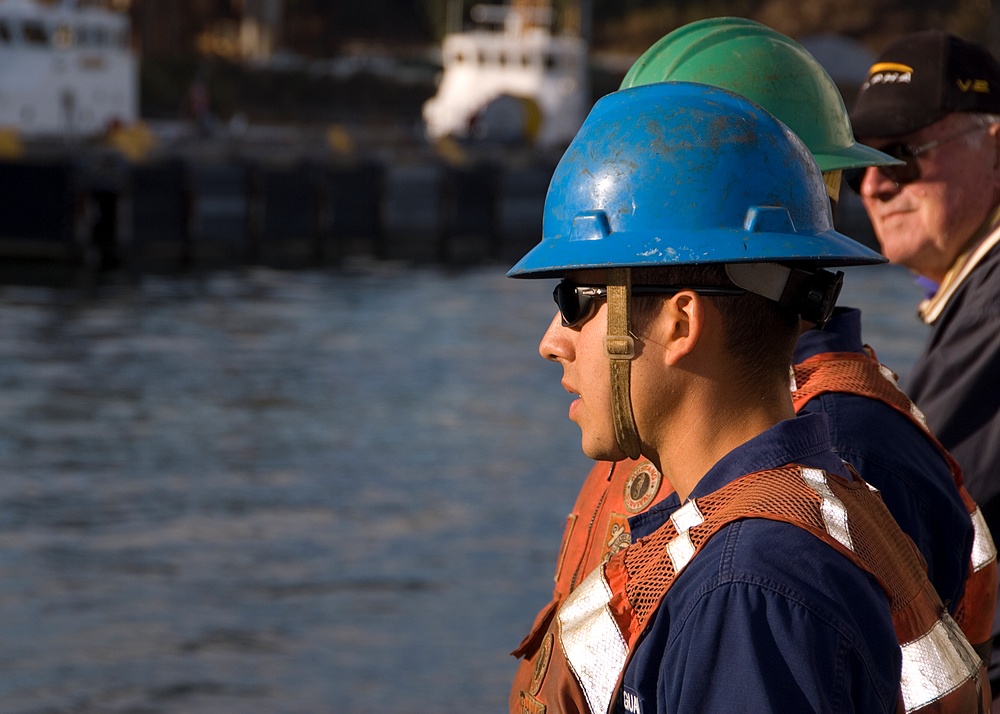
column 576, row 302
column 909, row 171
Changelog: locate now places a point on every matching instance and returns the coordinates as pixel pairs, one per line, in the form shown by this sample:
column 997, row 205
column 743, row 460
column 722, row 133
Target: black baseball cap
column 921, row 78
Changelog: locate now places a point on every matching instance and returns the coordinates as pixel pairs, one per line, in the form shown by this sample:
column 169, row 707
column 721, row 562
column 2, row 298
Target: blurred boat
column 65, row 69
column 511, row 78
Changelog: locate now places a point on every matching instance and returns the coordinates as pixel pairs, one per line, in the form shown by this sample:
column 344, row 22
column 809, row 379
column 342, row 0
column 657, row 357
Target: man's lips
column 890, row 215
column 575, row 404
column 890, row 212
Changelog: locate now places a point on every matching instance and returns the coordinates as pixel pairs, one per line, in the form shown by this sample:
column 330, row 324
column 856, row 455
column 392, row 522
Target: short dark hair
column 760, row 334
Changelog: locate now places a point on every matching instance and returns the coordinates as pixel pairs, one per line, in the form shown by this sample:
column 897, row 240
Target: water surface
column 290, row 492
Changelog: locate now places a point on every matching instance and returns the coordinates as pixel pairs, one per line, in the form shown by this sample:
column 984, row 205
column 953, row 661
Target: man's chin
column 603, row 451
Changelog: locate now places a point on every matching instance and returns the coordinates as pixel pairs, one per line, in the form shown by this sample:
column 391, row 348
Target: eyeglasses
column 909, row 171
column 576, row 302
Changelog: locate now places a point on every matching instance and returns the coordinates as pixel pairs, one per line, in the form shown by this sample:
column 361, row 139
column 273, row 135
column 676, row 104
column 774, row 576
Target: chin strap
column 833, row 179
column 619, row 347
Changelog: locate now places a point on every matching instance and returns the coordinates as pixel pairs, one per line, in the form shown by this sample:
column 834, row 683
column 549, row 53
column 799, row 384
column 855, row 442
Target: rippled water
column 290, row 492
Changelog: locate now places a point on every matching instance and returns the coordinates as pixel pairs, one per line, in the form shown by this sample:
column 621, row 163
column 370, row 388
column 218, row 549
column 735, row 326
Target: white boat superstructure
column 65, row 70
column 523, row 60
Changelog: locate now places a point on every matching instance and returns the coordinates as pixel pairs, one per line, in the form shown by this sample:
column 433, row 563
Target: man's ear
column 994, row 134
column 681, row 325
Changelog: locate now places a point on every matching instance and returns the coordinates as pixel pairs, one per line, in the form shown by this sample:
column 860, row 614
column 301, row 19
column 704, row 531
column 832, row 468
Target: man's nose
column 555, row 344
column 876, row 184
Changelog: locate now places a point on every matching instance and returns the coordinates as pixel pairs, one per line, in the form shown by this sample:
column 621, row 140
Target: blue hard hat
column 677, row 173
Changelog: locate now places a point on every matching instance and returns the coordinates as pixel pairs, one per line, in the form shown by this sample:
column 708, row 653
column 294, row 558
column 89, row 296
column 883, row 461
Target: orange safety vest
column 596, row 529
column 863, row 375
column 585, row 647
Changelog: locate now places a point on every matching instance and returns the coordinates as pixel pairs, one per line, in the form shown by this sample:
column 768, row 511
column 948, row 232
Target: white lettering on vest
column 631, row 702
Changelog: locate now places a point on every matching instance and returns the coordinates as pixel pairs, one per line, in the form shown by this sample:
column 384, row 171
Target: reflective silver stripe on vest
column 591, row 641
column 936, row 664
column 914, row 410
column 832, row 509
column 681, row 549
column 984, row 550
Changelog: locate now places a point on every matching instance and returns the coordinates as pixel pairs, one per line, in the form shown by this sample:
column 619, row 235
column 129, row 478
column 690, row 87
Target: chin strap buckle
column 620, row 350
column 619, row 347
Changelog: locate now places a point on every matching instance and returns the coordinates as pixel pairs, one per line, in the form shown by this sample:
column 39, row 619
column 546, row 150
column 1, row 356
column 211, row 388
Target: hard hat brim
column 824, row 249
column 853, row 157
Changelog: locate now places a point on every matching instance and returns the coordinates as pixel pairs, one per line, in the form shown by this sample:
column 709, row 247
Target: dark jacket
column 956, row 382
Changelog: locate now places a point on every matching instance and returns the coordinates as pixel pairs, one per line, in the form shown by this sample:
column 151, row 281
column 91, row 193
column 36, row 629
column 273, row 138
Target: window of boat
column 503, row 59
column 34, row 33
column 91, row 35
column 550, row 61
column 5, row 33
column 63, row 37
column 525, row 60
column 481, row 57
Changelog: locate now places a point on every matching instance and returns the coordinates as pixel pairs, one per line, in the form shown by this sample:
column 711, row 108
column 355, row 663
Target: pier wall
column 99, row 213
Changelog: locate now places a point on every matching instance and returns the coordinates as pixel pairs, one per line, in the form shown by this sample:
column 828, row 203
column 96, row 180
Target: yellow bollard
column 451, row 151
column 11, row 147
column 339, row 140
column 134, row 141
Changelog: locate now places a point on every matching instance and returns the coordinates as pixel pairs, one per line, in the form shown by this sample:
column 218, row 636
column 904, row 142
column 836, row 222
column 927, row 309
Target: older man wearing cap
column 933, row 101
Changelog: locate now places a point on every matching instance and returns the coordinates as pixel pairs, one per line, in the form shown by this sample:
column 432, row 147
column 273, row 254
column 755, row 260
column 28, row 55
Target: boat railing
column 513, row 20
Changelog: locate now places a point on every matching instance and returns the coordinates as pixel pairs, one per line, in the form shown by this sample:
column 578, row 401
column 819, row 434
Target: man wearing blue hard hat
column 690, row 230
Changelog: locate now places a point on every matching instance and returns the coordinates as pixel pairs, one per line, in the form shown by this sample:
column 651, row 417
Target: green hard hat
column 771, row 70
